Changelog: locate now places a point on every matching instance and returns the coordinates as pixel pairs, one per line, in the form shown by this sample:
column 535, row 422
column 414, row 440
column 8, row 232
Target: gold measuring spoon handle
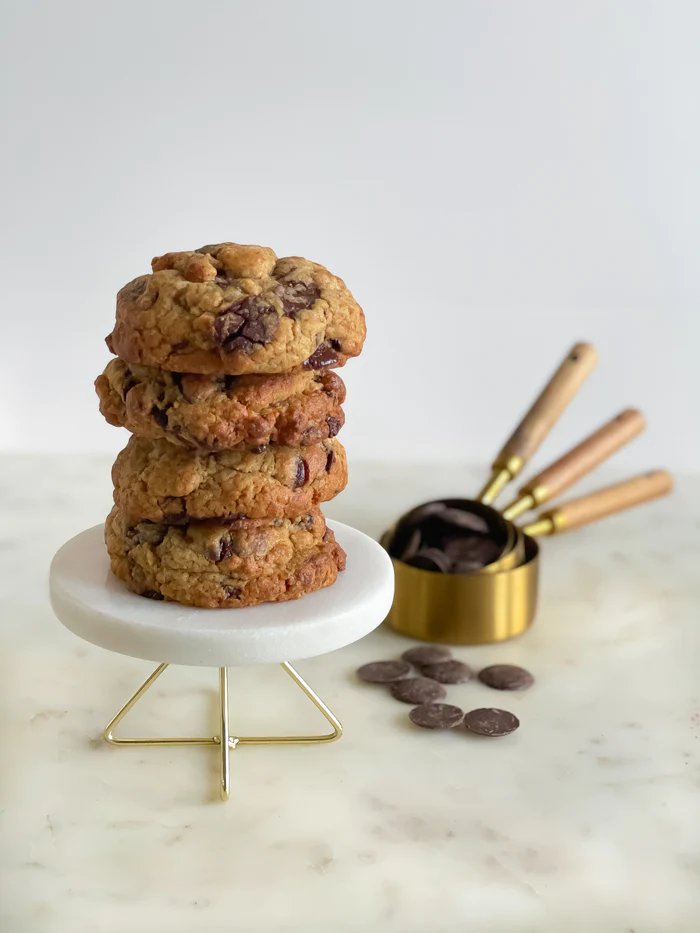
column 540, row 419
column 608, row 501
column 579, row 461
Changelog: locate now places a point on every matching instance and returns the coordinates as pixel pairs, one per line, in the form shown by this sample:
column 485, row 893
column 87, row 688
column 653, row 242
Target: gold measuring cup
column 522, row 445
column 474, row 609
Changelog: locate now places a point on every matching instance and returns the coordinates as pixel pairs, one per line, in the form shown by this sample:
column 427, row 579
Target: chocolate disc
column 383, row 672
column 463, row 519
column 491, row 722
column 430, row 558
column 412, row 545
column 418, row 690
column 421, row 512
column 426, row 654
column 472, row 550
column 506, row 677
column 436, row 716
column 447, row 672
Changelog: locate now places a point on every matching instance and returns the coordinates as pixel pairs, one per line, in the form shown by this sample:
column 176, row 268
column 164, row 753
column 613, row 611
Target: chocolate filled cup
column 465, row 608
column 453, row 536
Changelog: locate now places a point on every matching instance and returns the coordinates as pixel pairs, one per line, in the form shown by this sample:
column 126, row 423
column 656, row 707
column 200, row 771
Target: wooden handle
column 549, row 405
column 609, row 501
column 600, row 445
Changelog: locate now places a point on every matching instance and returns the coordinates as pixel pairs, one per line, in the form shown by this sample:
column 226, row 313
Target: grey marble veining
column 587, row 819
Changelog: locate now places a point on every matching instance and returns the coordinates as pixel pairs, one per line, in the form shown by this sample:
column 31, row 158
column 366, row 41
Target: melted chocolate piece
column 301, row 477
column 152, row 594
column 160, row 416
column 246, row 322
column 147, row 532
column 222, row 550
column 183, row 519
column 175, row 512
column 297, row 296
column 134, row 289
column 324, row 355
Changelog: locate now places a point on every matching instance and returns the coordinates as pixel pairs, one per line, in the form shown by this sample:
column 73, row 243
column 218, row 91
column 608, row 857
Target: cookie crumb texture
column 234, row 309
column 157, row 481
column 231, row 566
column 219, row 412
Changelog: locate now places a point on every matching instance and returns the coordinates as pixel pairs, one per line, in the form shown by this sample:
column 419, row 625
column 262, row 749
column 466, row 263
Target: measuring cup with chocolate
column 462, row 536
column 451, row 536
column 482, row 608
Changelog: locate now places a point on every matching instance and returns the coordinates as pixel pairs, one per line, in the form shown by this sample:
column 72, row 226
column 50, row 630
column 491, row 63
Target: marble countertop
column 586, row 819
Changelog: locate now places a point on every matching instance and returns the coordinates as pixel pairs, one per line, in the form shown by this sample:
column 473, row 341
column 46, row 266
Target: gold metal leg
column 108, row 733
column 224, row 734
column 225, row 741
column 299, row 739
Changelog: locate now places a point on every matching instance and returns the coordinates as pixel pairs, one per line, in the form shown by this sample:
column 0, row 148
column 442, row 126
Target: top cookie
column 232, row 309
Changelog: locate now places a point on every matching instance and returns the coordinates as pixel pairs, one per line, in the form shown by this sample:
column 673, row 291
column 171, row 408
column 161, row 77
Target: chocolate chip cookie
column 236, row 309
column 211, row 566
column 158, row 481
column 218, row 412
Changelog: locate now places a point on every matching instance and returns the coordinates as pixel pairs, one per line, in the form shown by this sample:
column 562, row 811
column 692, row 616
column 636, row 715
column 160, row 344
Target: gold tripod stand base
column 224, row 740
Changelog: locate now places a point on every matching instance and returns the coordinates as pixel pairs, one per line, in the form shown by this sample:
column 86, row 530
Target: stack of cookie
column 225, row 379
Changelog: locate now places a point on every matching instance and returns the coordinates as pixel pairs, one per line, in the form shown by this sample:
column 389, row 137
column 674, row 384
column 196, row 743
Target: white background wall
column 493, row 181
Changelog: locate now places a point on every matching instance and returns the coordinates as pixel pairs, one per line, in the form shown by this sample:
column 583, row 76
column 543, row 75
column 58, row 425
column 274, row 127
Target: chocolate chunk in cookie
column 325, row 355
column 250, row 318
column 297, row 296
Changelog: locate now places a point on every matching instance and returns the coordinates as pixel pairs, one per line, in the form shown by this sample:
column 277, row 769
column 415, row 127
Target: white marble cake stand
column 93, row 604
